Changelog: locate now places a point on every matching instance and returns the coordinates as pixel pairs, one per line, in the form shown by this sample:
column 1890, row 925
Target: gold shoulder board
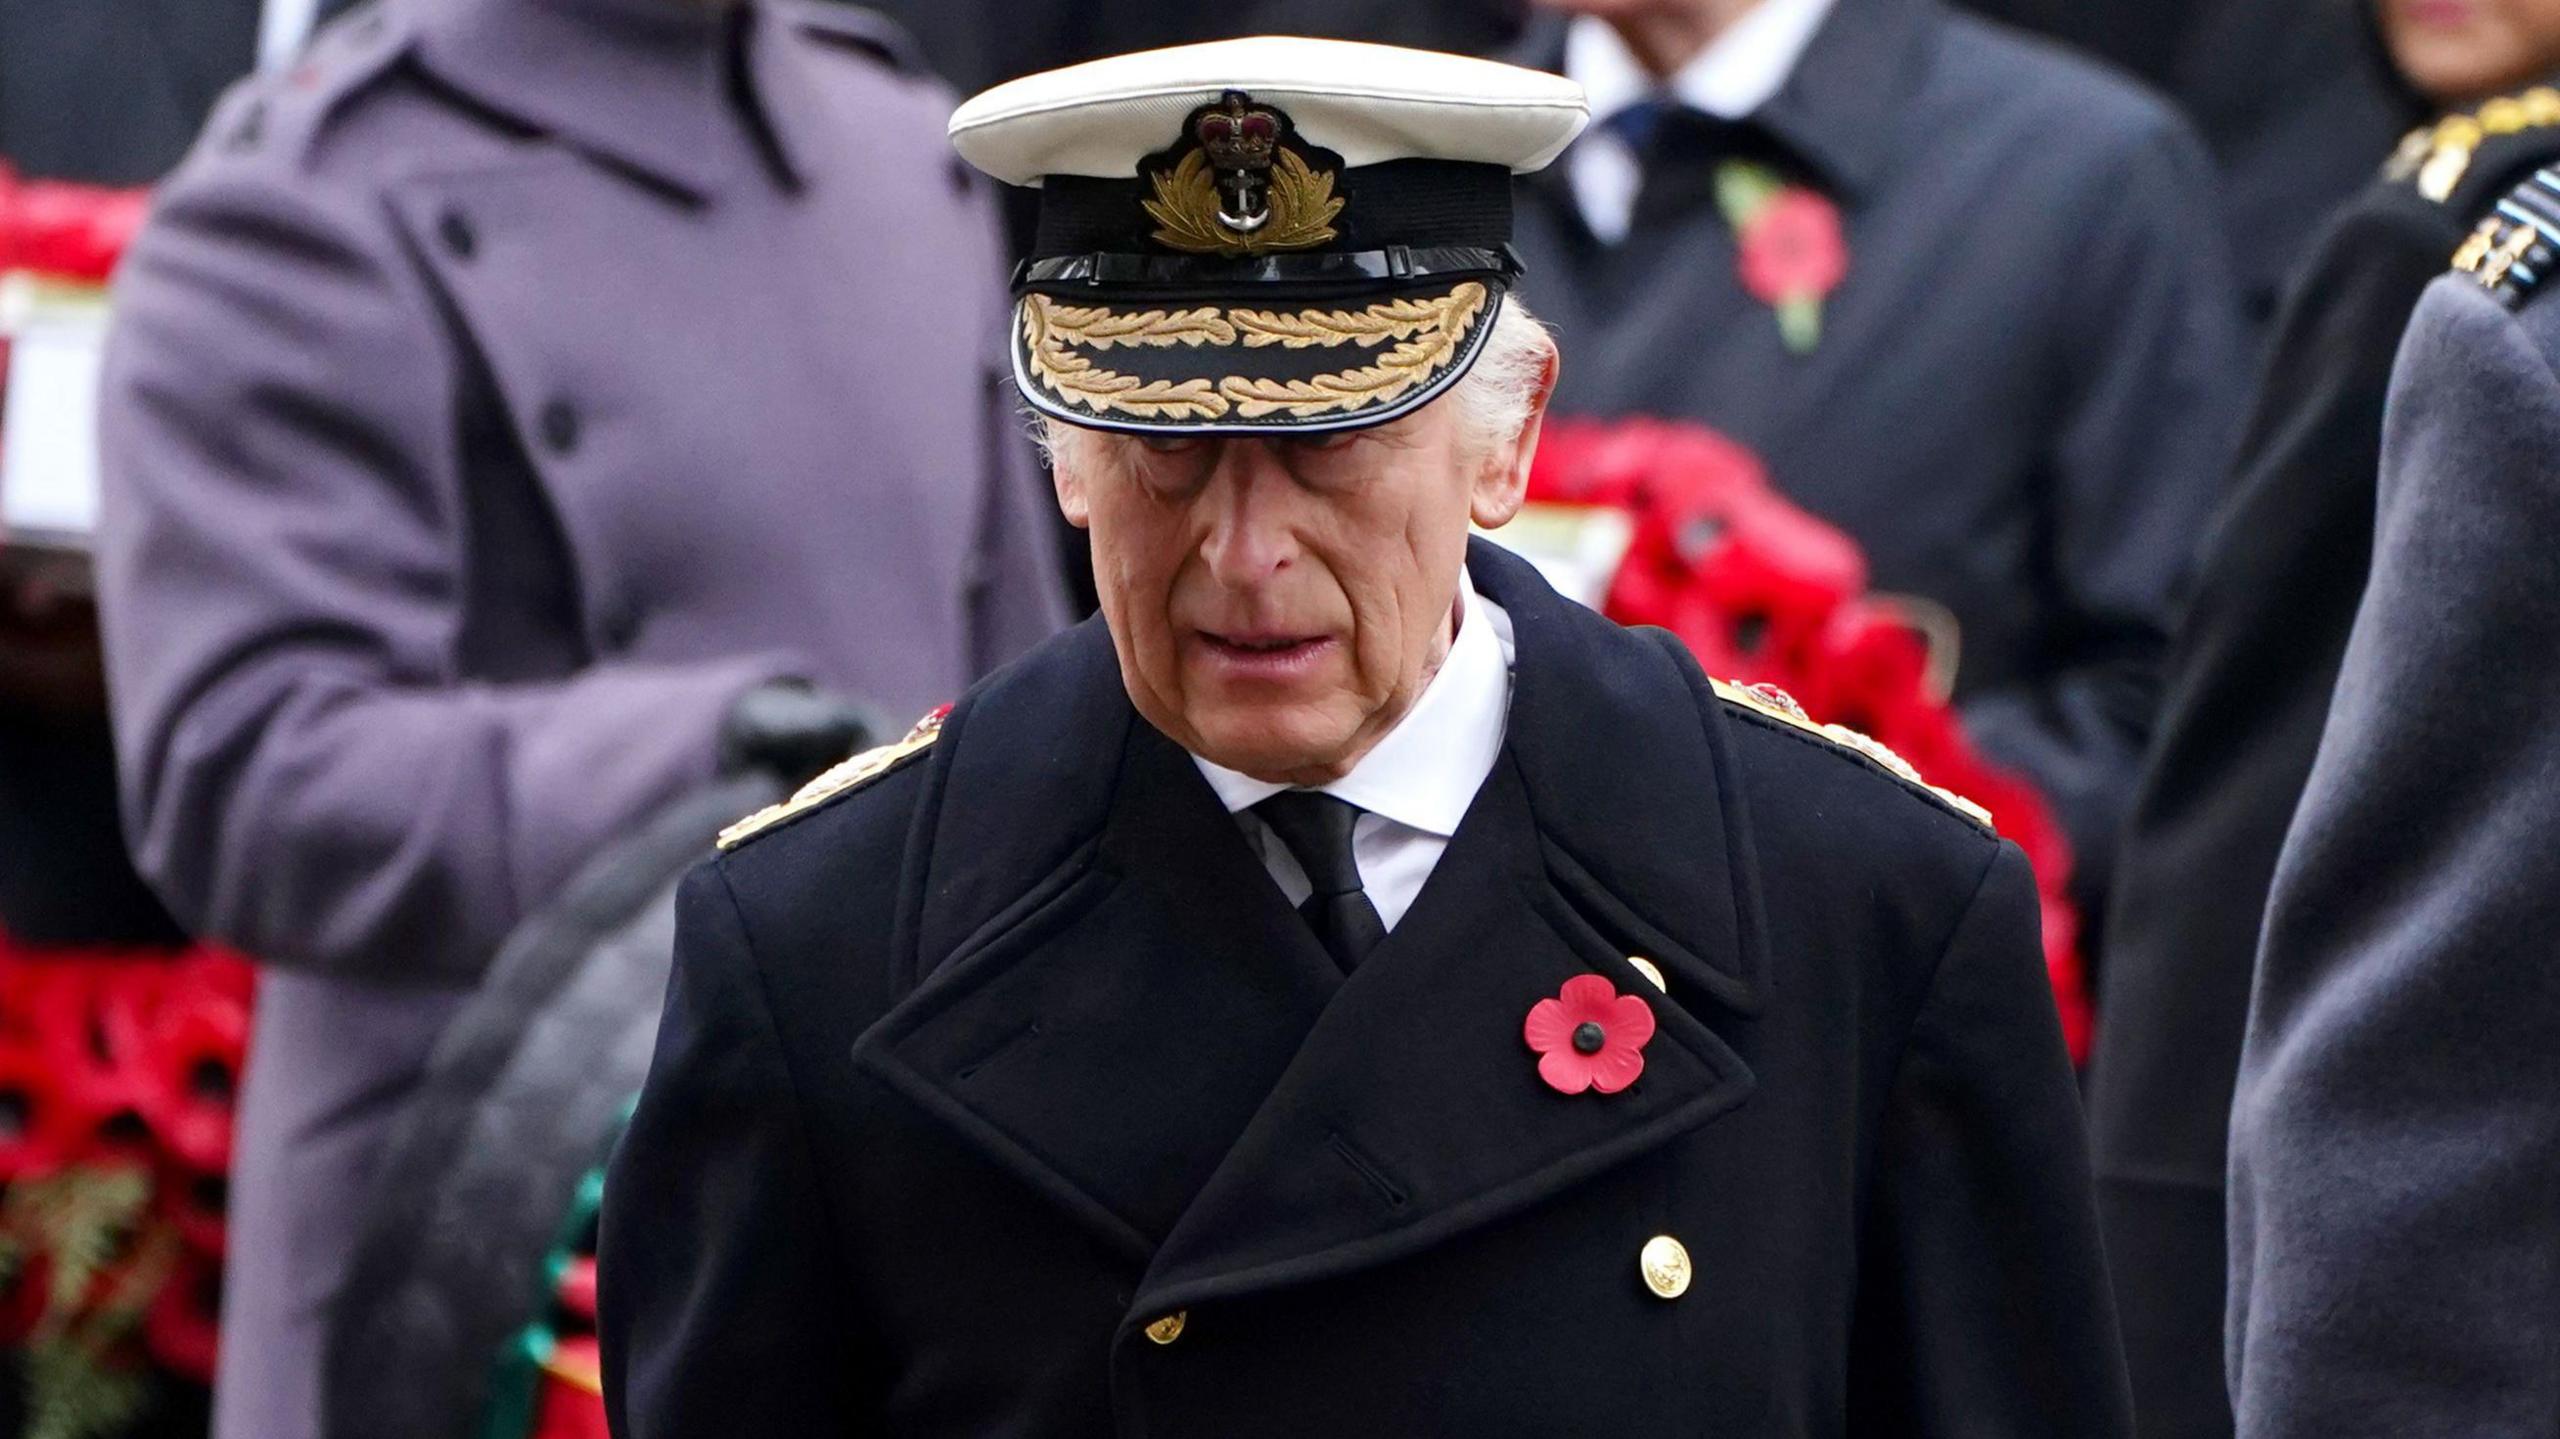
column 841, row 779
column 2437, row 156
column 1778, row 705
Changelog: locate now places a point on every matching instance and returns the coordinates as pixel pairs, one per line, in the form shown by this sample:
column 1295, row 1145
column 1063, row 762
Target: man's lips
column 1262, row 654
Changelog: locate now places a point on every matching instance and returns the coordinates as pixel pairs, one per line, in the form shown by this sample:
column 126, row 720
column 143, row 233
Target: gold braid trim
column 1393, row 319
column 1427, row 333
column 1081, row 382
column 844, row 778
column 1433, row 341
column 1781, row 706
column 2437, row 156
column 1100, row 329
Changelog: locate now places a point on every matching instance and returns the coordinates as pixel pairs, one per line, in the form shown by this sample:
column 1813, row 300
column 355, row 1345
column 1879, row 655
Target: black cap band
column 1419, row 203
column 1184, row 272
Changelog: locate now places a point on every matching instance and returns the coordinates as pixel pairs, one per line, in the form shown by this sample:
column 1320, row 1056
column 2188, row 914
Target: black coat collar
column 1117, row 1004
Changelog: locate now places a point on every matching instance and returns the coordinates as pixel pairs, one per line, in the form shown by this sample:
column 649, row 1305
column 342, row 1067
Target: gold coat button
column 1169, row 1328
column 1651, row 971
column 1665, row 1263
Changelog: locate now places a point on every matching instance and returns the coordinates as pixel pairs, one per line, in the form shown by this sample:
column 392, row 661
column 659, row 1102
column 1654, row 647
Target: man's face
column 1278, row 604
column 2457, row 51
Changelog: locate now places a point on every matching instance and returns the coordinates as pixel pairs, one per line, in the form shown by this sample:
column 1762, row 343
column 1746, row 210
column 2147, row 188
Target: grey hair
column 1492, row 399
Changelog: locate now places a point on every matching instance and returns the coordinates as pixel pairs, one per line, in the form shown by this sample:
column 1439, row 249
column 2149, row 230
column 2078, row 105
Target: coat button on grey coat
column 455, row 232
column 560, row 427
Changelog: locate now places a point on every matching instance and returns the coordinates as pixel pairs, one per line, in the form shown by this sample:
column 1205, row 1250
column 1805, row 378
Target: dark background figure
column 976, row 43
column 111, row 93
column 67, row 879
column 2021, row 396
column 107, row 95
column 102, row 94
column 2395, row 1139
column 497, row 419
column 2288, row 94
column 2250, row 679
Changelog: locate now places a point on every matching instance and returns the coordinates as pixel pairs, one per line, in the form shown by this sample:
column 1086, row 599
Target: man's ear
column 1503, row 484
column 1068, row 456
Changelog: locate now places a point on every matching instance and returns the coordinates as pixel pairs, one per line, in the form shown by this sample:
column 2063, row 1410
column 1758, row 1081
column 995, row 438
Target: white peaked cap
column 1367, row 103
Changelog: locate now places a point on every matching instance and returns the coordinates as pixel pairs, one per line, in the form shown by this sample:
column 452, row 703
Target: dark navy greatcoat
column 972, row 1075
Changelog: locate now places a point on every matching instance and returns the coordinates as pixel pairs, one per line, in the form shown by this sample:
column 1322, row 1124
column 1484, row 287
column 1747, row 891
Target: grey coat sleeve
column 306, row 772
column 2151, row 396
column 2395, row 1140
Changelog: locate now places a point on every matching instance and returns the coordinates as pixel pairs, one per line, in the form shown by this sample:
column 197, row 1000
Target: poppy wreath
column 65, row 231
column 1764, row 592
column 117, row 1071
column 549, row 1383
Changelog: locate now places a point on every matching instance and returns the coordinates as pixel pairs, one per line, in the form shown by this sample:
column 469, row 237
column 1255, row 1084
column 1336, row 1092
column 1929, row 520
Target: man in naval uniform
column 2395, row 1136
column 1344, row 988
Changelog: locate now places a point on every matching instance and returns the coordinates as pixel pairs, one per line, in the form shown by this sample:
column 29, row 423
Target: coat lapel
column 1413, row 1112
column 1113, row 984
column 1143, row 1029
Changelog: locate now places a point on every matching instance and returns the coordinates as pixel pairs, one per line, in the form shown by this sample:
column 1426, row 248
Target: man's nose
column 1250, row 500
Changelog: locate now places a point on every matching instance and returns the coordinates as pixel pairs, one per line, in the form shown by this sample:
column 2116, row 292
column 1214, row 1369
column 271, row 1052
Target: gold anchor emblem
column 1239, row 190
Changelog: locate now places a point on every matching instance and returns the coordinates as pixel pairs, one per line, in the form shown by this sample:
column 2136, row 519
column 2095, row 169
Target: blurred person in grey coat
column 512, row 405
column 2249, row 678
column 2395, row 1139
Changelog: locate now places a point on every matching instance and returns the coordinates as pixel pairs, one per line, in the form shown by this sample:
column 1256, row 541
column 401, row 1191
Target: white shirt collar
column 1735, row 75
column 1425, row 772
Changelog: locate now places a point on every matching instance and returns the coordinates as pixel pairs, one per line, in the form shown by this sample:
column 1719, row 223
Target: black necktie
column 1317, row 829
column 1677, row 149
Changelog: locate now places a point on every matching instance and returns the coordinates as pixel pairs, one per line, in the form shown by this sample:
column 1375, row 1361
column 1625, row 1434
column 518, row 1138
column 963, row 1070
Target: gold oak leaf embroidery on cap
column 1421, row 337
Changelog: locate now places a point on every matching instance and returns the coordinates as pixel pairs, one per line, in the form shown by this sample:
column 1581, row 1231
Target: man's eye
column 1168, row 444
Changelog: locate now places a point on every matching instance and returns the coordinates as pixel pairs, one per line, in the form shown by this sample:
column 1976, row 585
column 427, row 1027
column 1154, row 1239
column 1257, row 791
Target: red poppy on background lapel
column 1790, row 250
column 1589, row 1036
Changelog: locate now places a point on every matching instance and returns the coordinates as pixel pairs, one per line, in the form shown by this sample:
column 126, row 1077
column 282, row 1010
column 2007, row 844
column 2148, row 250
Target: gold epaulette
column 839, row 780
column 2518, row 244
column 1781, row 706
column 2437, row 156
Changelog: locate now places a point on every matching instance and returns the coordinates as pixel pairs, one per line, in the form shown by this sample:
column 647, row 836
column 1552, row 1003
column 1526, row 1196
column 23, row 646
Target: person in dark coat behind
column 2395, row 1136
column 496, row 431
column 2250, row 679
column 1346, row 988
column 2290, row 96
column 111, row 94
column 1963, row 292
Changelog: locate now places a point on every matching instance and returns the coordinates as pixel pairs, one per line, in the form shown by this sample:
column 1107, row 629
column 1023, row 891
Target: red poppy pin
column 1792, row 252
column 1589, row 1036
